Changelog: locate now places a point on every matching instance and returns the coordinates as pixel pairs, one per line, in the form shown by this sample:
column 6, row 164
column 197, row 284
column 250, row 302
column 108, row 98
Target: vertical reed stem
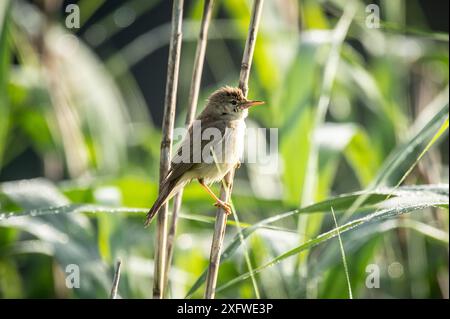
column 225, row 192
column 190, row 115
column 166, row 143
column 115, row 285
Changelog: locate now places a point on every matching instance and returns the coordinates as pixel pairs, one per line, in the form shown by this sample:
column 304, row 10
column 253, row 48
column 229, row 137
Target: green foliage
column 362, row 126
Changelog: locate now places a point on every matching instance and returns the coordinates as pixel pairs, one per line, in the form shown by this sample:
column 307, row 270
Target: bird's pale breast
column 227, row 154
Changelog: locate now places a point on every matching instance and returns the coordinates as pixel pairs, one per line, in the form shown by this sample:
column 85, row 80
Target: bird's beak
column 251, row 103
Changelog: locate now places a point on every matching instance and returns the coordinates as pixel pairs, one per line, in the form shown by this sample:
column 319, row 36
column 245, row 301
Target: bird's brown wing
column 177, row 169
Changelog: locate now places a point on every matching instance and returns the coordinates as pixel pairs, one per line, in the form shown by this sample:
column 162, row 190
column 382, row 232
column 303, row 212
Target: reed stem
column 225, row 192
column 190, row 115
column 173, row 66
column 115, row 285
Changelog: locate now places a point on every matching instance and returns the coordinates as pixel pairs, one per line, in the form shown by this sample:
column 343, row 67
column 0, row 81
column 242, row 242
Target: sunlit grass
column 362, row 117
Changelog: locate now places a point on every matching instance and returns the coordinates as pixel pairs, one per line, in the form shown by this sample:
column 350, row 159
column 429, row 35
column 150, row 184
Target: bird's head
column 229, row 103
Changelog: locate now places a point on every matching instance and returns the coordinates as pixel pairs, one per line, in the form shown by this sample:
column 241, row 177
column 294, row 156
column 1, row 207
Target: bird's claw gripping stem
column 219, row 203
column 225, row 206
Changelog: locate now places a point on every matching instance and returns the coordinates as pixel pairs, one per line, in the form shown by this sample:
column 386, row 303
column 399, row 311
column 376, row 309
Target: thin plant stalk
column 190, row 115
column 173, row 66
column 344, row 259
column 246, row 254
column 199, row 61
column 115, row 284
column 225, row 192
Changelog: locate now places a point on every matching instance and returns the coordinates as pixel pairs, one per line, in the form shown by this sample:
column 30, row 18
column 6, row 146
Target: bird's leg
column 219, row 202
column 238, row 164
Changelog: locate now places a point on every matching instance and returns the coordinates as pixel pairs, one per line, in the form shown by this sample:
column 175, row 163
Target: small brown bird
column 212, row 147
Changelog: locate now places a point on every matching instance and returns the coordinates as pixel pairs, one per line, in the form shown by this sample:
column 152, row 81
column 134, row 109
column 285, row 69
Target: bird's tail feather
column 165, row 194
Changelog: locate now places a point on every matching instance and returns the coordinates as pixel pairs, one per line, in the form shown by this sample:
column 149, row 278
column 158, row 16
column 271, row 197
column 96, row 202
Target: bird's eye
column 234, row 102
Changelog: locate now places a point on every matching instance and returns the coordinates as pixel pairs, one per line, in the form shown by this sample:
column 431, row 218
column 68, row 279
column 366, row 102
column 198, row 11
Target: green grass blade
column 344, row 260
column 246, row 254
column 376, row 216
column 343, row 202
column 443, row 129
column 402, row 158
column 4, row 70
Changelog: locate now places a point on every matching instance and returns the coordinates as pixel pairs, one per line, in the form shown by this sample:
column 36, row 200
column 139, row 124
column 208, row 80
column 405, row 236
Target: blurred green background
column 362, row 118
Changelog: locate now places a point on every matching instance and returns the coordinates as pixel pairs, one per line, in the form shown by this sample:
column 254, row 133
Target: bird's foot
column 238, row 164
column 225, row 206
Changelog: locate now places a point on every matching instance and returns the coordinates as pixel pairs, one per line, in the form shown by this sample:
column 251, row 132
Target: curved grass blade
column 344, row 260
column 374, row 217
column 93, row 209
column 109, row 26
column 403, row 154
column 4, row 67
column 402, row 159
column 443, row 129
column 339, row 203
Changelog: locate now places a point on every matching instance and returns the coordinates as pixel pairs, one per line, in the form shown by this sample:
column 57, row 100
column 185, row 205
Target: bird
column 212, row 146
